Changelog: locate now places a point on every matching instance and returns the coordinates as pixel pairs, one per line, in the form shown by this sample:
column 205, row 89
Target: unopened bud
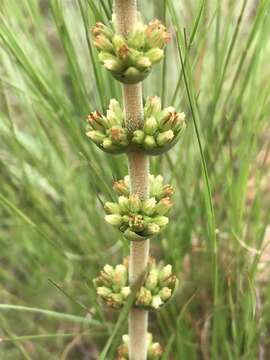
column 143, row 297
column 143, row 63
column 151, row 229
column 138, row 137
column 156, row 302
column 154, row 351
column 108, row 144
column 112, row 208
column 121, row 187
column 157, row 34
column 164, row 274
column 135, row 203
column 118, row 135
column 149, row 206
column 101, row 29
column 103, row 44
column 96, row 136
column 114, row 65
column 124, row 204
column 103, row 291
column 136, row 37
column 154, row 55
column 120, row 276
column 152, row 279
column 163, row 206
column 149, row 142
column 125, row 291
column 165, row 137
column 152, row 106
column 165, row 293
column 161, row 220
column 97, row 121
column 150, row 126
column 114, row 220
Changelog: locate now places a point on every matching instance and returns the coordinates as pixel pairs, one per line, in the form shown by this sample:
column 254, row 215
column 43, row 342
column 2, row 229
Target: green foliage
column 54, row 181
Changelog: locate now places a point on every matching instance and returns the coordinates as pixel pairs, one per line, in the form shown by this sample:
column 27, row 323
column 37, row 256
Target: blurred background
column 53, row 238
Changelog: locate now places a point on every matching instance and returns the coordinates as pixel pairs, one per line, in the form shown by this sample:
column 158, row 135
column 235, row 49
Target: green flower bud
column 154, row 351
column 96, row 136
column 152, row 279
column 113, row 119
column 150, row 126
column 138, row 137
column 108, row 144
column 143, row 297
column 114, row 219
column 167, row 191
column 180, row 122
column 156, row 302
column 112, row 208
column 119, row 135
column 164, row 274
column 136, row 38
column 115, row 300
column 164, row 115
column 124, row 204
column 156, row 185
column 115, row 107
column 121, row 187
column 160, row 220
column 148, row 206
column 125, row 291
column 101, row 29
column 151, row 229
column 165, row 137
column 120, row 45
column 103, row 44
column 163, row 206
column 135, row 203
column 114, row 65
column 120, row 276
column 97, row 121
column 143, row 63
column 154, row 55
column 152, row 106
column 165, row 293
column 103, row 291
column 149, row 142
column 108, row 269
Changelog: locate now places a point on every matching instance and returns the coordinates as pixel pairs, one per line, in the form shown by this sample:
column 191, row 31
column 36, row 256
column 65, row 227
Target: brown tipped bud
column 96, row 121
column 157, row 34
column 101, row 29
column 163, row 206
column 143, row 297
column 103, row 44
column 165, row 137
column 121, row 187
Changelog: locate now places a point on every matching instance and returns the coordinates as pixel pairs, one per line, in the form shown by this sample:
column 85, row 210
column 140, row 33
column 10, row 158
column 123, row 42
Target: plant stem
column 126, row 13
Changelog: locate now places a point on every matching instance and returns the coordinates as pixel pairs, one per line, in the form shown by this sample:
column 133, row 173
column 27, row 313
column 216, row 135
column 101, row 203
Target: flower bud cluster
column 158, row 288
column 139, row 219
column 161, row 128
column 130, row 58
column 108, row 132
column 154, row 350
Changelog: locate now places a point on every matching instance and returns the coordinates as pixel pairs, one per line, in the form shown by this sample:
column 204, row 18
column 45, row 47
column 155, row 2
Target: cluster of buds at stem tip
column 130, row 58
column 139, row 219
column 108, row 132
column 161, row 129
column 157, row 289
column 154, row 350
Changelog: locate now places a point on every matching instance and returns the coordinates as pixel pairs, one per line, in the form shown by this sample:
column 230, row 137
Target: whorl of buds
column 161, row 130
column 158, row 288
column 139, row 219
column 154, row 349
column 108, row 132
column 130, row 58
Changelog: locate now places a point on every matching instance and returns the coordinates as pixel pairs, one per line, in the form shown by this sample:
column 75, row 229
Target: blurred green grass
column 52, row 180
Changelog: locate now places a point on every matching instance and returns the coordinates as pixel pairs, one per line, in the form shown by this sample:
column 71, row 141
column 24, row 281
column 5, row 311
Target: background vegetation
column 53, row 238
